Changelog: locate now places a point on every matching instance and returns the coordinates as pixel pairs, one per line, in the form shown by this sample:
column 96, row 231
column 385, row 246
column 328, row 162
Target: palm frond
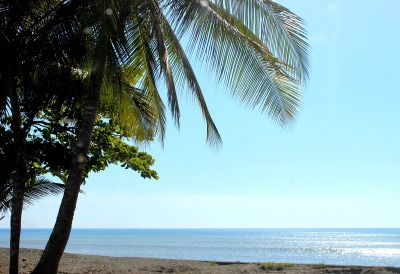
column 186, row 78
column 5, row 197
column 239, row 58
column 144, row 60
column 126, row 104
column 283, row 31
column 164, row 60
column 41, row 188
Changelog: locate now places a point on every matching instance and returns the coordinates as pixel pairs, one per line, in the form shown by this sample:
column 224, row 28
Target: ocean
column 380, row 247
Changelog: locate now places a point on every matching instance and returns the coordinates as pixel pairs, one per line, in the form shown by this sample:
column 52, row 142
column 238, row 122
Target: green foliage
column 51, row 145
column 275, row 266
column 36, row 186
column 49, row 148
column 51, row 138
column 213, row 263
column 320, row 265
column 109, row 147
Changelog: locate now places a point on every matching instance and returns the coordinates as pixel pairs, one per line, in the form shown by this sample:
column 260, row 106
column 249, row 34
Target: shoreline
column 90, row 264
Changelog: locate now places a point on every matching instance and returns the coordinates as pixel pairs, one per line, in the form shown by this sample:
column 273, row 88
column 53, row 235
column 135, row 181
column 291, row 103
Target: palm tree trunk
column 55, row 247
column 18, row 182
column 16, row 212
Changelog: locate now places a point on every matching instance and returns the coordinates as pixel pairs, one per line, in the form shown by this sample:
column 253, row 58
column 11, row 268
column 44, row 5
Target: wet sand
column 90, row 264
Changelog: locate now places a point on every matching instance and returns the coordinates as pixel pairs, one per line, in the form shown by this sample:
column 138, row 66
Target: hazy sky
column 339, row 166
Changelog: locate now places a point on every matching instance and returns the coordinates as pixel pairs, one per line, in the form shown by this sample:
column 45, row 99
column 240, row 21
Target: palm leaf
column 126, row 104
column 158, row 54
column 245, row 63
column 164, row 60
column 144, row 61
column 40, row 188
column 278, row 27
column 184, row 73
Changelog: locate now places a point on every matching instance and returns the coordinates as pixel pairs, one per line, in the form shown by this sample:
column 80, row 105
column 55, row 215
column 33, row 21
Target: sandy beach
column 88, row 264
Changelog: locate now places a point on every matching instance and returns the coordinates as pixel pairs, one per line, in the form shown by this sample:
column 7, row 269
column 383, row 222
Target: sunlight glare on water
column 330, row 246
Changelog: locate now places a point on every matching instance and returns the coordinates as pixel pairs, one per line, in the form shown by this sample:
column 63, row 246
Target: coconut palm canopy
column 258, row 49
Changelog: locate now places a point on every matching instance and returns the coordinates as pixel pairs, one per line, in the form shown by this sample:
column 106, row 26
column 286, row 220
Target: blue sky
column 337, row 167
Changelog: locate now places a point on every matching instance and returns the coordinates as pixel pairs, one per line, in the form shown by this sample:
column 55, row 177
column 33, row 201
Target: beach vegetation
column 274, row 266
column 213, row 263
column 320, row 265
column 353, row 267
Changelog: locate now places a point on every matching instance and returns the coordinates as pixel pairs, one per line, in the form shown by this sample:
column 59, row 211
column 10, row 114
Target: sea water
column 329, row 246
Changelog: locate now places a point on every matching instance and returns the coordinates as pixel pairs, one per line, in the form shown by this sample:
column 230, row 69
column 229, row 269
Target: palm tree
column 41, row 46
column 28, row 32
column 256, row 47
